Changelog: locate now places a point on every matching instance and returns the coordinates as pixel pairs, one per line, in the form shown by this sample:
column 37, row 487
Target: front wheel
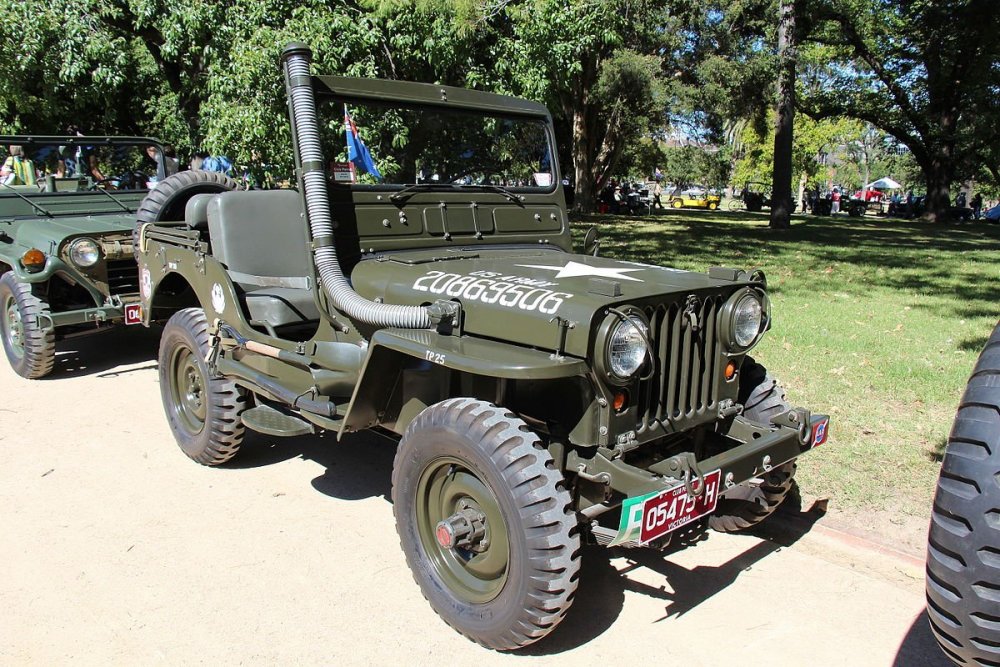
column 27, row 342
column 735, row 205
column 677, row 203
column 963, row 543
column 749, row 503
column 485, row 523
column 204, row 412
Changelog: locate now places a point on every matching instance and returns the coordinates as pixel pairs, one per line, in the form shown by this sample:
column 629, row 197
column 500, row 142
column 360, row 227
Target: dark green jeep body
column 540, row 395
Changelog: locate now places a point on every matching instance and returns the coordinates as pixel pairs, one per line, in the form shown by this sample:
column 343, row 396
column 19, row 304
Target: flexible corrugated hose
column 296, row 60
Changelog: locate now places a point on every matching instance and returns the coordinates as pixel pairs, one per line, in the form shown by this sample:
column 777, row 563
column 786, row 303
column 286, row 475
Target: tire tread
column 963, row 561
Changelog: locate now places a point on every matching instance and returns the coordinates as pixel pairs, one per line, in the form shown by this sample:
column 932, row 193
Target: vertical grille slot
column 123, row 277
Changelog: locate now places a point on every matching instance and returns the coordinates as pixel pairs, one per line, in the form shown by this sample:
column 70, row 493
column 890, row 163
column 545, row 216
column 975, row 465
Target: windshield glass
column 370, row 144
column 80, row 164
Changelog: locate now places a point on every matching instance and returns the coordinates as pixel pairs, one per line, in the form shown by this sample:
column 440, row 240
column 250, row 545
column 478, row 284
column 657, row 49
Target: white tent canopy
column 883, row 184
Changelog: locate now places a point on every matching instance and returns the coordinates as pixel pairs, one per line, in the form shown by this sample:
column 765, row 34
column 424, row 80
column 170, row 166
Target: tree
column 924, row 72
column 781, row 182
column 599, row 66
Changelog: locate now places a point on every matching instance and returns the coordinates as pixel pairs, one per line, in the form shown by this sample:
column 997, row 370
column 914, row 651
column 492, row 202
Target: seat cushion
column 279, row 306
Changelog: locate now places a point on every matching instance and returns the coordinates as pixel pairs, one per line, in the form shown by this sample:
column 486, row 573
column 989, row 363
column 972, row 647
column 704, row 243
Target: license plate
column 133, row 313
column 674, row 508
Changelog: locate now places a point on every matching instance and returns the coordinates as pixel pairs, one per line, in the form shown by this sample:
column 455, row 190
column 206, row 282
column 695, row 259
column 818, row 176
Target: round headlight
column 627, row 347
column 747, row 318
column 84, row 252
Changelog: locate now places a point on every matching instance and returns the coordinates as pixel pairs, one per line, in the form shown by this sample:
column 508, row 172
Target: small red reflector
column 820, row 433
column 619, row 401
column 730, row 370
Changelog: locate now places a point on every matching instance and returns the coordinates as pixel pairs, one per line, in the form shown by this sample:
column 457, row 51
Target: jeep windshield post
column 421, row 282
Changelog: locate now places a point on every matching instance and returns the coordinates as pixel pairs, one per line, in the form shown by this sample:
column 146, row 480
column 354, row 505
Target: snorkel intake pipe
column 296, row 59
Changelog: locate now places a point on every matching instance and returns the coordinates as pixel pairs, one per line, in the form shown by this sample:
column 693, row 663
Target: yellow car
column 694, row 200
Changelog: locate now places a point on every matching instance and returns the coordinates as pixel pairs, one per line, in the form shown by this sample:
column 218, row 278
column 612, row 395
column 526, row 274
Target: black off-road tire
column 749, row 503
column 204, row 412
column 30, row 349
column 167, row 200
column 963, row 544
column 465, row 443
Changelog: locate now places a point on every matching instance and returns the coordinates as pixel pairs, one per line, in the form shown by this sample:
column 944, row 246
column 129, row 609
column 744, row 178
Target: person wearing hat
column 618, row 200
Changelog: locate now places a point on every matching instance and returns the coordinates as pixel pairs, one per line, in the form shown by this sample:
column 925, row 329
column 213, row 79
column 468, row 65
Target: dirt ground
column 118, row 550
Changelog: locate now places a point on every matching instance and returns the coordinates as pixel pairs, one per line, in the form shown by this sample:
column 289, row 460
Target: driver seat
column 260, row 237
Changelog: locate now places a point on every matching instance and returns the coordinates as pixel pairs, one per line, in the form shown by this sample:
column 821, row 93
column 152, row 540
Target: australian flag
column 357, row 152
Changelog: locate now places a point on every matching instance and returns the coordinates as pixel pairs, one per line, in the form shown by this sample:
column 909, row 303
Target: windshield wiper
column 116, row 200
column 499, row 189
column 427, row 187
column 35, row 206
column 419, row 187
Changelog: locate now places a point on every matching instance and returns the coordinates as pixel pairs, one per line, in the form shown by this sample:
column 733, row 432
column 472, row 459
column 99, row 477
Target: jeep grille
column 683, row 393
column 123, row 277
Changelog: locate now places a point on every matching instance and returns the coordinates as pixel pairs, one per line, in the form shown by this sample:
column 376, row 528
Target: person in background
column 835, row 198
column 171, row 164
column 17, row 169
column 197, row 160
column 78, row 160
column 977, row 205
column 657, row 193
column 960, row 199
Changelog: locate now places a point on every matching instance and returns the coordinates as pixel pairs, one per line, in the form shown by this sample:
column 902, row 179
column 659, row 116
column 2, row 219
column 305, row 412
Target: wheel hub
column 465, row 529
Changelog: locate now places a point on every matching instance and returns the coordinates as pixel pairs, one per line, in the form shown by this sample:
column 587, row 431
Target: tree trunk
column 583, row 194
column 781, row 183
column 938, row 200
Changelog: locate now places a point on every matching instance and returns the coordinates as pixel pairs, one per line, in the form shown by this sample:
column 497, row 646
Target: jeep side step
column 269, row 421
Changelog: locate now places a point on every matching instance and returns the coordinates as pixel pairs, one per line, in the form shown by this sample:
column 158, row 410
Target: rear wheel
column 963, row 544
column 735, row 205
column 29, row 346
column 749, row 503
column 713, row 205
column 485, row 523
column 203, row 411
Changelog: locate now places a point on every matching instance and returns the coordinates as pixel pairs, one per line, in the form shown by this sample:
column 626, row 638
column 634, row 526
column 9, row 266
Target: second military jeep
column 422, row 283
column 66, row 257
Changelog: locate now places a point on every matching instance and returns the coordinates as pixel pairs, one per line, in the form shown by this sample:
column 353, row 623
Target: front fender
column 393, row 351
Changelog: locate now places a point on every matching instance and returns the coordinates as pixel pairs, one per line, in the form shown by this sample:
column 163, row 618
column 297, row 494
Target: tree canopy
column 618, row 76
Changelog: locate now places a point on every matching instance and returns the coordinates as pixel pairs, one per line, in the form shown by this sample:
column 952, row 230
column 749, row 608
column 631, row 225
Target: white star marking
column 575, row 270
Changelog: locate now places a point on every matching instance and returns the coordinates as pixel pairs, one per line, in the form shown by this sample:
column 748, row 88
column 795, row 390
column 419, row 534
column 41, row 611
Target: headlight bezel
column 628, row 316
column 76, row 249
column 728, row 315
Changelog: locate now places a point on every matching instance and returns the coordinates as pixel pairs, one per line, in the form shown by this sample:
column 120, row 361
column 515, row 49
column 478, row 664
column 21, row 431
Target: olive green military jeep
column 66, row 255
column 426, row 288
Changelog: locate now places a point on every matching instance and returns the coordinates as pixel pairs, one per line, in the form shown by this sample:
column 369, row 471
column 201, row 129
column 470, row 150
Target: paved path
column 116, row 549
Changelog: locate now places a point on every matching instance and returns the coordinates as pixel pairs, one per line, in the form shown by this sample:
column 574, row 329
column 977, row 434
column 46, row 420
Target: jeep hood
column 515, row 295
column 43, row 232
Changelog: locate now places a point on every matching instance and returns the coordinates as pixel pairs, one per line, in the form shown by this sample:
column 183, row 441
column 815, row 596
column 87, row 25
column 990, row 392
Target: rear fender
column 172, row 280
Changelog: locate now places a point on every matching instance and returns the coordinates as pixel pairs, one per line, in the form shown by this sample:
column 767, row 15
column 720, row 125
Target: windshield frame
column 437, row 99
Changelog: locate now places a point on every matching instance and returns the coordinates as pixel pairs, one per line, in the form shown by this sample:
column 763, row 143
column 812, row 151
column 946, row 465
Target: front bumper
column 127, row 313
column 759, row 450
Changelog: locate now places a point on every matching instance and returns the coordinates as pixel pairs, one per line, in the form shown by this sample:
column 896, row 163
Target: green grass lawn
column 876, row 322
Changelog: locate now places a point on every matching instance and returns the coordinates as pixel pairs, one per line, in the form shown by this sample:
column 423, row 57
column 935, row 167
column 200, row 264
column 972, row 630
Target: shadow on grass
column 942, row 260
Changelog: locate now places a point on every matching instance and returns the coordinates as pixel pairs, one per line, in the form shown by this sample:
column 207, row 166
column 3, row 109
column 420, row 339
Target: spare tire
column 167, row 200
